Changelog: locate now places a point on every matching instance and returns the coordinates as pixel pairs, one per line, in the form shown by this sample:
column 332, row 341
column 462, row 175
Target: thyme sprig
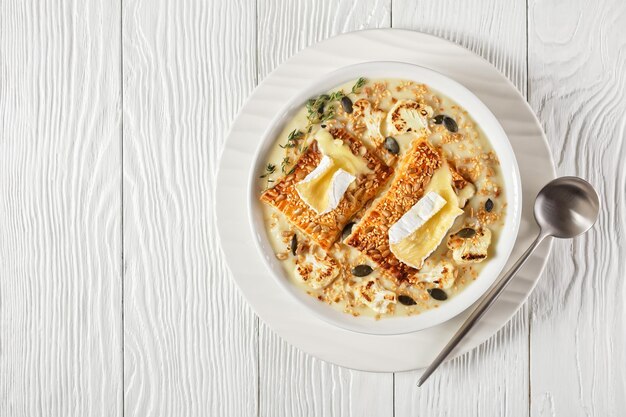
column 357, row 86
column 315, row 108
column 323, row 107
column 269, row 170
column 292, row 139
column 284, row 164
column 336, row 96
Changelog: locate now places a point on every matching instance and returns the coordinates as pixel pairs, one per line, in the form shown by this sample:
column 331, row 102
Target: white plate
column 288, row 318
column 491, row 128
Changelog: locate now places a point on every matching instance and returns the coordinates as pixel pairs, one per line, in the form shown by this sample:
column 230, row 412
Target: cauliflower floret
column 470, row 249
column 442, row 274
column 373, row 119
column 317, row 271
column 464, row 189
column 371, row 293
column 409, row 116
column 465, row 194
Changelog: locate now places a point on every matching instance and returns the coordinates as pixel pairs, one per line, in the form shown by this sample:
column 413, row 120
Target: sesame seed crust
column 371, row 234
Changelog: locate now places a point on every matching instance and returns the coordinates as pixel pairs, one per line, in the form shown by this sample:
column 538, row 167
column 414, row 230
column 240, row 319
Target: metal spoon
column 566, row 207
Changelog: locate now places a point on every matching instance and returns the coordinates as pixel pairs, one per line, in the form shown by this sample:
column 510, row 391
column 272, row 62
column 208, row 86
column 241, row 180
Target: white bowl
column 510, row 172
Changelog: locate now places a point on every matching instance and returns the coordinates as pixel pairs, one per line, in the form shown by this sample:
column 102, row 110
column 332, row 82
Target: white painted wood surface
column 577, row 79
column 111, row 121
column 60, row 209
column 190, row 341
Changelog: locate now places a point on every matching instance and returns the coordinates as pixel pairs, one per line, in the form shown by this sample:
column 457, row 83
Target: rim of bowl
column 472, row 292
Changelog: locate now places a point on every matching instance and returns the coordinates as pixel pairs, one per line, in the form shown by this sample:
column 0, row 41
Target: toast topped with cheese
column 330, row 182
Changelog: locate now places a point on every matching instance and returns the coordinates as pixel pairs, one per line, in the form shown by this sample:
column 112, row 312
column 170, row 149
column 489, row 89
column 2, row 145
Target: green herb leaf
column 328, row 116
column 295, row 134
column 322, row 108
column 357, row 86
column 284, row 164
column 269, row 170
column 336, row 96
column 292, row 139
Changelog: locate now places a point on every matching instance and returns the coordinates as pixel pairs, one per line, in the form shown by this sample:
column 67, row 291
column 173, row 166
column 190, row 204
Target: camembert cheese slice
column 323, row 188
column 314, row 187
column 339, row 183
column 425, row 236
column 425, row 208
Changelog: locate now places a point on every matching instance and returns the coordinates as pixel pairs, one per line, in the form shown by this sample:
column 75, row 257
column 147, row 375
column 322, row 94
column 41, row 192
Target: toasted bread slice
column 326, row 227
column 371, row 234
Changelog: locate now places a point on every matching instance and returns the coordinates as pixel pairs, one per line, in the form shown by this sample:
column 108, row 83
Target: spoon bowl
column 566, row 207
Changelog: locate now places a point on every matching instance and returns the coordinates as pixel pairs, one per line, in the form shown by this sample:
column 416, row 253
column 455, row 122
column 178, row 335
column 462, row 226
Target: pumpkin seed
column 346, row 103
column 391, row 145
column 437, row 294
column 406, row 300
column 294, row 244
column 362, row 270
column 488, row 205
column 347, row 231
column 450, row 124
column 439, row 119
column 466, row 233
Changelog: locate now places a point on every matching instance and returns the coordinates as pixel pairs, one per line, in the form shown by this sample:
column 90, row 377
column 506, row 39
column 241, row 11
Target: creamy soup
column 442, row 237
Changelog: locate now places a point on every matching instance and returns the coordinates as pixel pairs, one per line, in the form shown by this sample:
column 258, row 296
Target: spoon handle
column 492, row 295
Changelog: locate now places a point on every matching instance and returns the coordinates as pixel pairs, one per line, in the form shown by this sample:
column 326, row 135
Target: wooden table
column 114, row 298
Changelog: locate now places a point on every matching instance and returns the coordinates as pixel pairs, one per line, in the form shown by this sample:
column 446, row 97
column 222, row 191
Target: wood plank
column 577, row 56
column 493, row 379
column 292, row 382
column 190, row 339
column 286, row 27
column 60, row 209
